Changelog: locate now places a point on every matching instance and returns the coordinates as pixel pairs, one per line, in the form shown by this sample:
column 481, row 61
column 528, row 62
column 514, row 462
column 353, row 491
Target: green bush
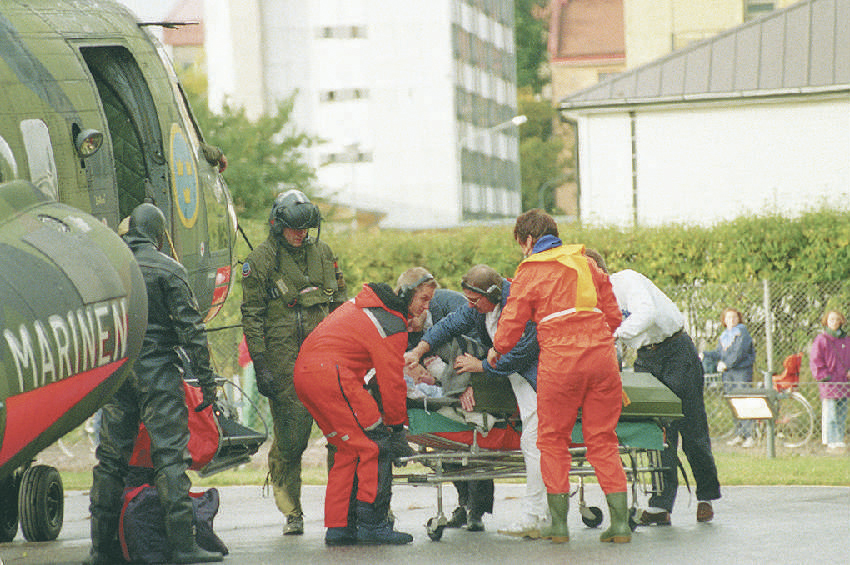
column 812, row 248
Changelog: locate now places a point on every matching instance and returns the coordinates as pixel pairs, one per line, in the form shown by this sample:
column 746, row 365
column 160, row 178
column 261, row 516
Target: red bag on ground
column 203, row 434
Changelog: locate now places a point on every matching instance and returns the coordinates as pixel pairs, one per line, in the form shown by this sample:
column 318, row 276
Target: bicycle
column 794, row 416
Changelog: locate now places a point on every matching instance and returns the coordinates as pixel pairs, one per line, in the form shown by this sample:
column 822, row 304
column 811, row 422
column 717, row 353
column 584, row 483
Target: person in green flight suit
column 290, row 282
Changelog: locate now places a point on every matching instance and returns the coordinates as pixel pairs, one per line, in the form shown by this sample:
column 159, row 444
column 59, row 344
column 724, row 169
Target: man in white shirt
column 654, row 326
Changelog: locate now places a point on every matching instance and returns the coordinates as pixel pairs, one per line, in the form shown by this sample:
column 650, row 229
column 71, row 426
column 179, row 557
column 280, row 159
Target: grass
column 734, row 469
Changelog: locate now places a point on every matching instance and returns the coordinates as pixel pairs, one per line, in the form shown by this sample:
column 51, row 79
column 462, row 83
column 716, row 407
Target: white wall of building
column 702, row 165
column 401, row 124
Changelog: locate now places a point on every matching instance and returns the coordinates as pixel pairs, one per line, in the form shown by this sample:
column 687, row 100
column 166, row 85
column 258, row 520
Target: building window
column 343, row 94
column 340, row 157
column 341, row 32
column 756, row 8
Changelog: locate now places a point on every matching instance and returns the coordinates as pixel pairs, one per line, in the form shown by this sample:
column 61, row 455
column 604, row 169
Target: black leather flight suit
column 154, row 395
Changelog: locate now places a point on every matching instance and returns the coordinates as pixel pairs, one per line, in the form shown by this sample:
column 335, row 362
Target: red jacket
column 557, row 288
column 362, row 334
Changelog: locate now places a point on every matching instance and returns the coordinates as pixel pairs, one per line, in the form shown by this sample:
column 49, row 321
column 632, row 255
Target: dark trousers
column 476, row 496
column 675, row 363
column 163, row 410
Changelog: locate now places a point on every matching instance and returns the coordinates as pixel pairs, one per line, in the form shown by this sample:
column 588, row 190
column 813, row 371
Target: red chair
column 790, row 376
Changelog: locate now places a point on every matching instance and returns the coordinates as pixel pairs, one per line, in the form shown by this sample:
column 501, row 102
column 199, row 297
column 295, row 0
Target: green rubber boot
column 559, row 506
column 619, row 531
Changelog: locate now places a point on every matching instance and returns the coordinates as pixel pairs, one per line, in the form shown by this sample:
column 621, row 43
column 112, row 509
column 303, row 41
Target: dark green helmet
column 292, row 209
column 148, row 221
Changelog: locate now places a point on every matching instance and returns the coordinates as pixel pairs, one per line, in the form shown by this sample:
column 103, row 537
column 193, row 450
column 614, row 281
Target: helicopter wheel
column 9, row 507
column 41, row 503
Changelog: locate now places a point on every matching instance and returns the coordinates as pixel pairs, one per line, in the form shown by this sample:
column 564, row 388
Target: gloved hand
column 209, row 391
column 398, row 445
column 392, row 442
column 721, row 366
column 264, row 376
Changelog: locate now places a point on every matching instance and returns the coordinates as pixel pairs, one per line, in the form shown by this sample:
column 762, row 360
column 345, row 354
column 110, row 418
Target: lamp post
column 516, row 121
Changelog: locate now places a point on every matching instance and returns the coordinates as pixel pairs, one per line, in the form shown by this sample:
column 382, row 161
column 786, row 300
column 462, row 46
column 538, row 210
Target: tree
column 264, row 156
column 542, row 164
column 531, row 54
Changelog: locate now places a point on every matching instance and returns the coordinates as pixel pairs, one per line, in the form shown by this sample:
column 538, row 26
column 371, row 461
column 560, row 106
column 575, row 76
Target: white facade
column 381, row 83
column 702, row 164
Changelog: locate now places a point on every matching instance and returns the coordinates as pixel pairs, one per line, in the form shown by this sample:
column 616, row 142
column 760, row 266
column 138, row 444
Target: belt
column 653, row 346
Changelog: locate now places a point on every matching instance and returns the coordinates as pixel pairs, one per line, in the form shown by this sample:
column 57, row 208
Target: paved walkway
column 776, row 525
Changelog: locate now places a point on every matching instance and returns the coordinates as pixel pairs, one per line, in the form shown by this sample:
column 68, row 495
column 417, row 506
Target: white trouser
column 535, row 502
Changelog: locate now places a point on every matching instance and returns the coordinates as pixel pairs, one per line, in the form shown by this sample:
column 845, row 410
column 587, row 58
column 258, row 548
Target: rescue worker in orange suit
column 573, row 304
column 367, row 332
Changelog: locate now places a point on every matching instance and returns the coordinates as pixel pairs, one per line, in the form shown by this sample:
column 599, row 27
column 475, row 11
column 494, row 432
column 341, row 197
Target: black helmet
column 148, row 221
column 292, row 209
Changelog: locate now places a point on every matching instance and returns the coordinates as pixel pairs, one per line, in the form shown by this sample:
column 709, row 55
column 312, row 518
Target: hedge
column 811, row 248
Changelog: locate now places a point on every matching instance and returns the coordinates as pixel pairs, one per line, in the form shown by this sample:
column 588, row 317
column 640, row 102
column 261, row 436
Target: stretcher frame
column 641, row 462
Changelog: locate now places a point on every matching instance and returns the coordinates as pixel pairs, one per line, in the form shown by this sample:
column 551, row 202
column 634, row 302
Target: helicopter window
column 42, row 166
column 8, row 165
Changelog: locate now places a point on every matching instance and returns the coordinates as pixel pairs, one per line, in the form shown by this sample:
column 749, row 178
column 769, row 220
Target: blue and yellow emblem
column 184, row 178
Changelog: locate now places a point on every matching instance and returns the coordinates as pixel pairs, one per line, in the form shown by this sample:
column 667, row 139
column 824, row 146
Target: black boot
column 374, row 529
column 195, row 554
column 458, row 519
column 345, row 535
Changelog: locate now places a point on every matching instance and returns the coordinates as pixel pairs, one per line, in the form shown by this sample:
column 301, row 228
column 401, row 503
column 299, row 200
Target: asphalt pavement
column 777, row 525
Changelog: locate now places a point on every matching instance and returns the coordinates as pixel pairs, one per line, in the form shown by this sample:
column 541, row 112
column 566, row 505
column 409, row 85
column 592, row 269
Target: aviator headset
column 407, row 291
column 493, row 293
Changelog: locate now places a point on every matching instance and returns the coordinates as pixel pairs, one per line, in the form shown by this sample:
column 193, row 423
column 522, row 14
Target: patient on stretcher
column 470, row 398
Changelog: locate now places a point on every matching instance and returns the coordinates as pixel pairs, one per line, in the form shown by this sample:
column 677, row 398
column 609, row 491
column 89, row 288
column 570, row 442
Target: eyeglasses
column 473, row 301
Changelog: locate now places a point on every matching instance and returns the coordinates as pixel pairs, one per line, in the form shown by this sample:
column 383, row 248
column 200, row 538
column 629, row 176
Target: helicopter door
column 140, row 165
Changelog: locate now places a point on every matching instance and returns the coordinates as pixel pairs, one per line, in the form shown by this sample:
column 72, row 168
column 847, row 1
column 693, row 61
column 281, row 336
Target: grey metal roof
column 800, row 49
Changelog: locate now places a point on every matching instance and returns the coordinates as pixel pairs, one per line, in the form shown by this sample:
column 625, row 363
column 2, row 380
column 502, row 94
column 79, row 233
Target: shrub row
column 811, row 248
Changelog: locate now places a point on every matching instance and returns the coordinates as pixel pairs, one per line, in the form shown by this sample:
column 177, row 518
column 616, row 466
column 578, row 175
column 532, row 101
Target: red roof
column 586, row 30
column 185, row 11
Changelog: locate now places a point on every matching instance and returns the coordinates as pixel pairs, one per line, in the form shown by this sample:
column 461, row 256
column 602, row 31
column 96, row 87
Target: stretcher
column 460, row 446
column 217, row 441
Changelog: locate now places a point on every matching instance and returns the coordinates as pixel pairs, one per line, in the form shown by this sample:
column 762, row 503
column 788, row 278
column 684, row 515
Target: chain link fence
column 783, row 319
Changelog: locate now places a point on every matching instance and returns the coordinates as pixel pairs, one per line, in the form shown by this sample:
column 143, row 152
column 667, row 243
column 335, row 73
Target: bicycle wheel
column 795, row 420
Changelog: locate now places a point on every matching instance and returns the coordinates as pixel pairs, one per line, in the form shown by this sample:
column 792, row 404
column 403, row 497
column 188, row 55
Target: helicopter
column 93, row 122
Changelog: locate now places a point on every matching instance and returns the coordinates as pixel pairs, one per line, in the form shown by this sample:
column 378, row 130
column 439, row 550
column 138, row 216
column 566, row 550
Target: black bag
column 141, row 525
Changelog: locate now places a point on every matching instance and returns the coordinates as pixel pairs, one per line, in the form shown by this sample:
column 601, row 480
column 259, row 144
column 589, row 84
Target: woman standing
column 737, row 356
column 830, row 361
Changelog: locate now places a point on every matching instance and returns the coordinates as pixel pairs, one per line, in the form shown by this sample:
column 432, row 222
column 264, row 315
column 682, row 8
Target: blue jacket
column 466, row 320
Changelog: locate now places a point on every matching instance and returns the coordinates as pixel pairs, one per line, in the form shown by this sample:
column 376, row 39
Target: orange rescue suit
column 329, row 379
column 573, row 304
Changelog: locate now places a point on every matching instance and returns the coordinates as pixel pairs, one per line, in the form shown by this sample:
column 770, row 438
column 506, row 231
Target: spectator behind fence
column 735, row 358
column 830, row 362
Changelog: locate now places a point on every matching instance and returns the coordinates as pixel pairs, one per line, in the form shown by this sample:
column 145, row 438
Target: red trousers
column 579, row 371
column 336, row 399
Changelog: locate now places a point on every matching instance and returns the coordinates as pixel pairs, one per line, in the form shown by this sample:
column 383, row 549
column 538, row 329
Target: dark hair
column 535, row 223
column 597, row 257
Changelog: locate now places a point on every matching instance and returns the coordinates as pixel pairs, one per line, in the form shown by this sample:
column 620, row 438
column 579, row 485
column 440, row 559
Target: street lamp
column 515, row 121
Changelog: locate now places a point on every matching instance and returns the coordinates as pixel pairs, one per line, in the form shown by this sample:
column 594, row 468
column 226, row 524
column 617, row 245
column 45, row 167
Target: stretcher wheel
column 591, row 516
column 435, row 531
column 41, row 503
column 632, row 522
